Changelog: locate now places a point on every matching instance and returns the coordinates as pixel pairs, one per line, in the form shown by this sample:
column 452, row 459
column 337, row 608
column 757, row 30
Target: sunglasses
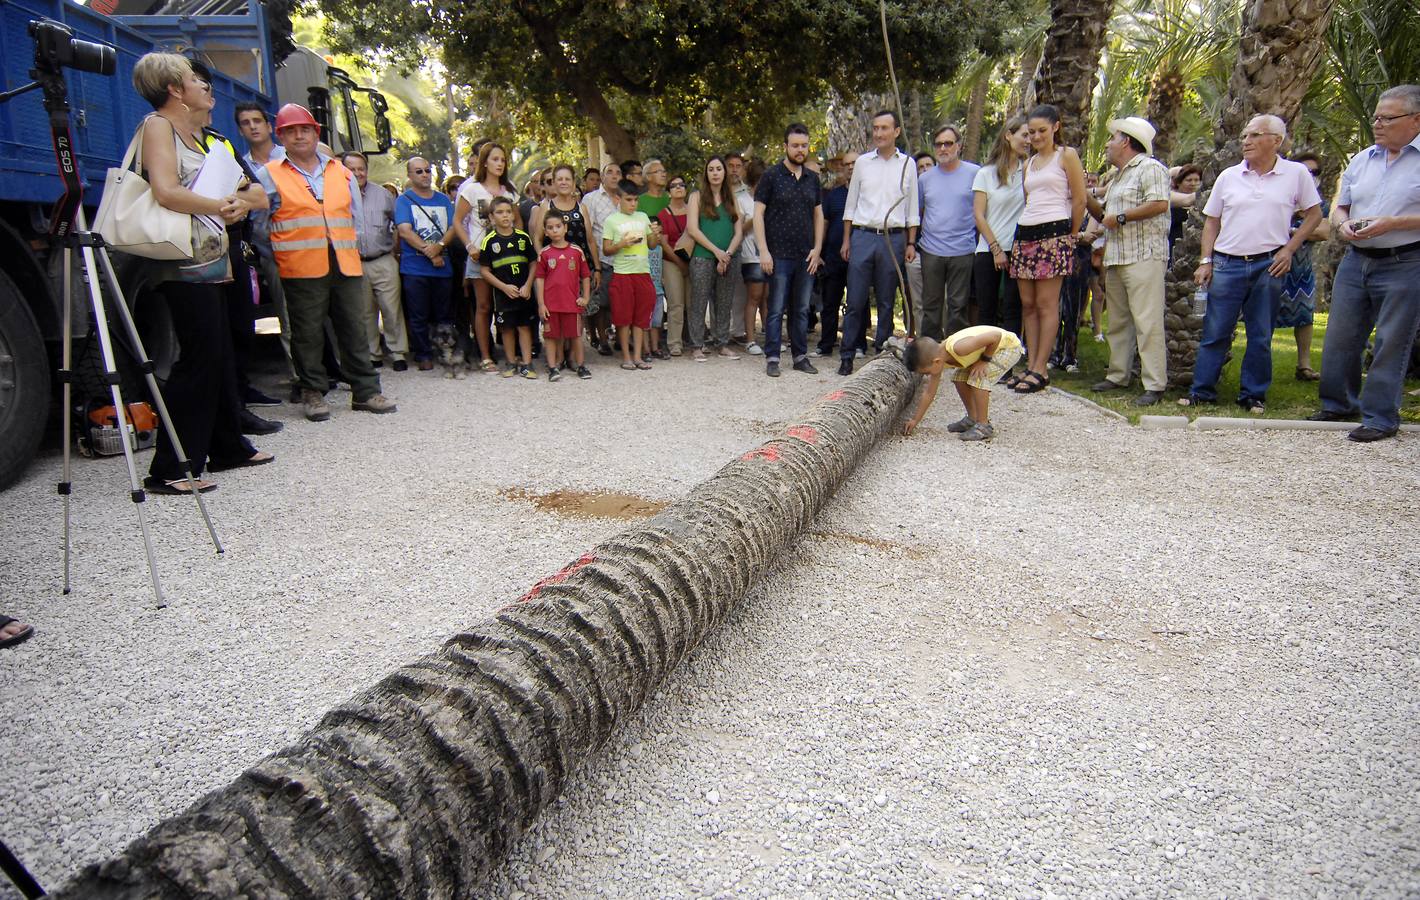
column 676, row 184
column 940, row 145
column 420, row 171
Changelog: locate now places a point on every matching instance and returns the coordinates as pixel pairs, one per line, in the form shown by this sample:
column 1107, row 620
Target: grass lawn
column 1286, row 399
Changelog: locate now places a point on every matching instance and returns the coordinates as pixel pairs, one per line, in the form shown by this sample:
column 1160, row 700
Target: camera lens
column 87, row 56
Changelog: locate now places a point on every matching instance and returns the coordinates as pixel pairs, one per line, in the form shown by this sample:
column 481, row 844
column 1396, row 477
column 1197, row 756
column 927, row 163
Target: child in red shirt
column 564, row 287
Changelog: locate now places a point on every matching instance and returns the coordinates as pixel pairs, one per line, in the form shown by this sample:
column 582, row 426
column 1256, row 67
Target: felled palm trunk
column 418, row 787
column 1282, row 45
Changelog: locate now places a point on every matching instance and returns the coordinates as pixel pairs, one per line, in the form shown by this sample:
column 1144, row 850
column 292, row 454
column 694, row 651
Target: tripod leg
column 146, row 365
column 17, row 873
column 136, row 491
column 66, row 377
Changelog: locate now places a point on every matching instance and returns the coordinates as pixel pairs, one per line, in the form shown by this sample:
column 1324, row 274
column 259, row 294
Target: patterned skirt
column 1298, row 302
column 1043, row 251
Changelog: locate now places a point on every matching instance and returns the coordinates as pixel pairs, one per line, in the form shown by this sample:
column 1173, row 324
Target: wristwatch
column 1121, row 218
column 1205, row 260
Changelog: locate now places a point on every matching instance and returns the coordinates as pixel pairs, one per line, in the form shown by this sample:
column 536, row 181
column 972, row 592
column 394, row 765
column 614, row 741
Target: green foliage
column 705, row 67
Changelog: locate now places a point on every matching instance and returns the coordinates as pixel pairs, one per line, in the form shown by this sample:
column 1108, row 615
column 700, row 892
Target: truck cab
column 234, row 39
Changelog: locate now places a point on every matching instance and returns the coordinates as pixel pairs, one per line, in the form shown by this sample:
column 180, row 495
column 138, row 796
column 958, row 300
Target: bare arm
column 1204, row 273
column 160, row 161
column 1282, row 259
column 462, row 208
column 929, row 394
column 1075, row 175
column 592, row 247
column 766, row 262
column 692, row 225
column 539, row 214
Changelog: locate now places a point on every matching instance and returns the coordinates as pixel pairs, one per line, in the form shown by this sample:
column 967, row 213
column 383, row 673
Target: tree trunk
column 1282, row 44
column 417, row 787
column 1070, row 63
column 1165, row 101
column 850, row 122
column 914, row 127
column 975, row 118
column 1023, row 92
column 577, row 80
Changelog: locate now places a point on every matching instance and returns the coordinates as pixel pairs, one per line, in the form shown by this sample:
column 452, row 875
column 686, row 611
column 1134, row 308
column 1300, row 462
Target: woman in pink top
column 1045, row 241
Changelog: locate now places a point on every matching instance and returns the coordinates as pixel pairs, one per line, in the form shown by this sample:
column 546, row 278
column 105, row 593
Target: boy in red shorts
column 564, row 287
column 633, row 295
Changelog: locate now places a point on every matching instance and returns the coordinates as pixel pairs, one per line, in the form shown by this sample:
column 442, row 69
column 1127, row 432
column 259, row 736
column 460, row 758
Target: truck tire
column 24, row 383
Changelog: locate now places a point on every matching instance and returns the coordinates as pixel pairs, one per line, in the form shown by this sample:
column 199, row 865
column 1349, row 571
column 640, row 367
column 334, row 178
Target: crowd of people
column 635, row 261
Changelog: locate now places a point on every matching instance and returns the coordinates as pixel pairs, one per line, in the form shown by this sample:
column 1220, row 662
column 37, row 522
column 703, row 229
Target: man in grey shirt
column 376, row 236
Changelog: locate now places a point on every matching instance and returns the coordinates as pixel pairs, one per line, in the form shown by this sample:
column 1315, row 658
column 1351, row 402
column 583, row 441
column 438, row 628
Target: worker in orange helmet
column 315, row 205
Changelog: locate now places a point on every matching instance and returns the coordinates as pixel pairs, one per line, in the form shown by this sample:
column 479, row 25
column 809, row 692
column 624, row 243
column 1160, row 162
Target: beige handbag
column 130, row 217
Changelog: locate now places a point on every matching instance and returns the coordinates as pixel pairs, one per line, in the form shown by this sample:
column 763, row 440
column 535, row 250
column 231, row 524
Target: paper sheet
column 219, row 176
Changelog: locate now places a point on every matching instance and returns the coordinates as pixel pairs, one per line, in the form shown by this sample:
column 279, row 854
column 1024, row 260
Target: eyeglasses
column 547, row 182
column 420, row 171
column 676, row 184
column 1386, row 120
column 1249, row 135
column 941, row 145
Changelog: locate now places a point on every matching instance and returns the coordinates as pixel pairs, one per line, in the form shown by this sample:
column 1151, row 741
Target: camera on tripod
column 56, row 47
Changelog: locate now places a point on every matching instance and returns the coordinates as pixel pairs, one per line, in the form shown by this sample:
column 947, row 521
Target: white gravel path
column 1046, row 666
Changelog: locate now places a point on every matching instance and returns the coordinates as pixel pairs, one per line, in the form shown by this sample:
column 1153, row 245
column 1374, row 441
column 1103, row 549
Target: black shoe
column 295, row 395
column 257, row 398
column 804, row 365
column 377, row 363
column 254, row 424
column 1148, row 398
column 1366, row 434
column 1101, row 386
column 604, row 350
column 1325, row 415
column 845, row 367
column 772, row 369
column 399, row 365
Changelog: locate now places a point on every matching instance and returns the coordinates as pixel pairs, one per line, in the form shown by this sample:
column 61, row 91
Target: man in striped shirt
column 1135, row 213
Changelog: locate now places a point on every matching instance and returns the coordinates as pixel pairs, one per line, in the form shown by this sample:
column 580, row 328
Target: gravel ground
column 1084, row 660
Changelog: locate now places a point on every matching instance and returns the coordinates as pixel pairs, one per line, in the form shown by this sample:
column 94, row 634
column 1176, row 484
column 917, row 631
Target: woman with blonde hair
column 205, row 408
column 471, row 211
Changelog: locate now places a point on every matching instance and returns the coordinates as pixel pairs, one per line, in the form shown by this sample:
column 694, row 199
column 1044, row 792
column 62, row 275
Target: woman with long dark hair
column 471, row 210
column 713, row 222
column 1044, row 250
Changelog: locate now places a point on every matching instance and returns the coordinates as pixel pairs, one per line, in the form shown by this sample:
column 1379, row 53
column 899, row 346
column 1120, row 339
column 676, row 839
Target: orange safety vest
column 304, row 228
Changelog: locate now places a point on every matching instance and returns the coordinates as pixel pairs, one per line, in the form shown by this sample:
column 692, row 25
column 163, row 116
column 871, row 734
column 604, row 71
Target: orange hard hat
column 295, row 114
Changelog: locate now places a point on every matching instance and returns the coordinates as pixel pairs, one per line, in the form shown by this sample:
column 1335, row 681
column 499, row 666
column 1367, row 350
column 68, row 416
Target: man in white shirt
column 879, row 229
column 600, row 204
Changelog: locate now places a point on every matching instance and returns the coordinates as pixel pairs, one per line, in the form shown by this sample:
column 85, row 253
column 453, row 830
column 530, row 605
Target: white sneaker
column 858, row 354
column 754, row 349
column 816, row 353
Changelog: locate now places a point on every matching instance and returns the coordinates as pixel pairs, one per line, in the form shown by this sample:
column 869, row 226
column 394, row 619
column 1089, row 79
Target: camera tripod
column 55, row 47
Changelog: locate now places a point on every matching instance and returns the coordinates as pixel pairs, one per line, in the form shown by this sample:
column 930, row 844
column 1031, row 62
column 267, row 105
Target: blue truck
column 234, row 39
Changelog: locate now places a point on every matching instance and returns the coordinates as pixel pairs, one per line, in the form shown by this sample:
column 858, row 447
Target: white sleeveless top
column 1047, row 191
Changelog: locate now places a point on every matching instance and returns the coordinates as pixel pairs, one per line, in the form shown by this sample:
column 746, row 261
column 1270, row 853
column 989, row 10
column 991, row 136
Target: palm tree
column 1176, row 43
column 1069, row 66
column 1283, row 43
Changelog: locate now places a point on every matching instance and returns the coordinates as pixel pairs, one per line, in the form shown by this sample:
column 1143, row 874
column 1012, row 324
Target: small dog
column 446, row 339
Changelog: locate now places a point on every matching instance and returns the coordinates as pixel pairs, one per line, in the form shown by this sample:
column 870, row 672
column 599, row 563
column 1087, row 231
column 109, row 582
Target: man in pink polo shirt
column 1246, row 249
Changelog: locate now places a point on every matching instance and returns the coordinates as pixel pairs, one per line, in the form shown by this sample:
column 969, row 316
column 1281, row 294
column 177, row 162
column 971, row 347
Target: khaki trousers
column 1135, row 298
column 676, row 286
column 382, row 301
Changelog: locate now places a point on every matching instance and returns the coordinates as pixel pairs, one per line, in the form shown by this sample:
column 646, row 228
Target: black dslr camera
column 56, row 47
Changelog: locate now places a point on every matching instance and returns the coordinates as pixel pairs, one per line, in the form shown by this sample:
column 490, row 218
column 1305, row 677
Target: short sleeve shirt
column 1142, row 180
column 789, row 205
column 508, row 256
column 629, row 260
column 480, row 203
column 652, row 206
column 1005, row 201
column 945, row 199
column 1373, row 186
column 430, row 218
column 562, row 271
column 1255, row 210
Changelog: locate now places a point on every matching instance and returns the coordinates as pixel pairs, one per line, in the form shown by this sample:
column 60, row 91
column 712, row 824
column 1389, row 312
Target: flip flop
column 630, row 367
column 171, row 489
column 14, row 639
column 643, row 365
column 260, row 459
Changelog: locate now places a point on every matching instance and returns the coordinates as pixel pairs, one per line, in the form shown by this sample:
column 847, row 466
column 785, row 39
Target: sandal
column 643, row 365
column 487, row 365
column 19, row 637
column 630, row 367
column 1192, row 400
column 1253, row 405
column 1307, row 373
column 1010, row 380
column 260, row 458
column 1031, row 383
column 178, row 487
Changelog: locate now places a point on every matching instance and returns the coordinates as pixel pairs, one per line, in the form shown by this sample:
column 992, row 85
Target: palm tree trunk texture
column 1282, row 44
column 1069, row 67
column 975, row 118
column 850, row 122
column 417, row 787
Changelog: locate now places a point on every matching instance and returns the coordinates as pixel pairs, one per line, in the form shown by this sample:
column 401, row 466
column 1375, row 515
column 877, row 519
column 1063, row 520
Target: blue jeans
column 426, row 304
column 1243, row 290
column 871, row 264
column 1370, row 293
column 791, row 281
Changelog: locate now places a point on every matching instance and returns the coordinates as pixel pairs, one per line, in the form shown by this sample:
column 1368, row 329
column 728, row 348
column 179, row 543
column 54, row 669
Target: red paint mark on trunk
column 766, row 453
column 834, row 395
column 559, row 577
column 806, row 433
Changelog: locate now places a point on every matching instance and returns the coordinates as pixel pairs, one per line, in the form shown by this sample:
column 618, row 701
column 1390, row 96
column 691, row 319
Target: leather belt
column 897, row 230
column 1251, row 257
column 1385, row 252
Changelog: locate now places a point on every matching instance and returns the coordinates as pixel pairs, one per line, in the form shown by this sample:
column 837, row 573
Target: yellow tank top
column 964, row 362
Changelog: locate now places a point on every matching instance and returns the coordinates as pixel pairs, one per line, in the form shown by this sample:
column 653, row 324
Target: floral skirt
column 1043, row 251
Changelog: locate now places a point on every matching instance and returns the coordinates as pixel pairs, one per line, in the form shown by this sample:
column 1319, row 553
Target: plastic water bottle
column 1200, row 302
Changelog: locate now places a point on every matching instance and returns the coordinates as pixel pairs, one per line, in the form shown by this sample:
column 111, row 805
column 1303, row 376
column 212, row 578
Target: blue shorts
column 753, row 274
